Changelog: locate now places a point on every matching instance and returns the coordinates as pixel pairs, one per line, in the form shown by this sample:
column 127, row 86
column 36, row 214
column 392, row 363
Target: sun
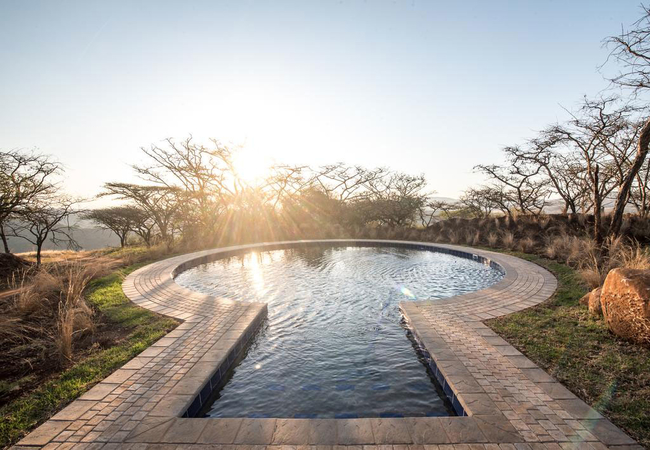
column 250, row 167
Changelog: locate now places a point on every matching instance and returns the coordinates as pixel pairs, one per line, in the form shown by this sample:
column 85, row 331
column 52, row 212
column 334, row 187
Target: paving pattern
column 511, row 404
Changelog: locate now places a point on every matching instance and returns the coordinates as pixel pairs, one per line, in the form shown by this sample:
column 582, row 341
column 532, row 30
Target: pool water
column 334, row 344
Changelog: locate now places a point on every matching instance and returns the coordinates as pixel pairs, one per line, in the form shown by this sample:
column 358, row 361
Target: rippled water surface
column 334, row 344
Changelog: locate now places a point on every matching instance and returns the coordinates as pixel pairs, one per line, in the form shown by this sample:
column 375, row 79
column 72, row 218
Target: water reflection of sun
column 255, row 267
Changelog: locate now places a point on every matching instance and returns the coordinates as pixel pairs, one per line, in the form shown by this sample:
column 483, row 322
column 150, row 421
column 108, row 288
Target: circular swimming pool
column 334, row 344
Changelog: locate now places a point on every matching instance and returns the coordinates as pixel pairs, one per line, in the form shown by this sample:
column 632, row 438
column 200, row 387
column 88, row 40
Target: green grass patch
column 559, row 335
column 141, row 328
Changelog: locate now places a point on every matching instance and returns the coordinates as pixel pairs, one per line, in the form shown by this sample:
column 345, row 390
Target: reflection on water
column 333, row 345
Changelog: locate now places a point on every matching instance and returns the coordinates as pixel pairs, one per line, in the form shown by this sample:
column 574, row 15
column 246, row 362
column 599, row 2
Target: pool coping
column 507, row 398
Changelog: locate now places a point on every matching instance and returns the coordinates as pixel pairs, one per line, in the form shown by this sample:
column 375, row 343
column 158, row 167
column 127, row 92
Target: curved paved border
column 507, row 398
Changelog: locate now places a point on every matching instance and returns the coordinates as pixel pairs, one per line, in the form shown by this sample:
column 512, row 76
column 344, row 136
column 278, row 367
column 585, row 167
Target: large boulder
column 625, row 300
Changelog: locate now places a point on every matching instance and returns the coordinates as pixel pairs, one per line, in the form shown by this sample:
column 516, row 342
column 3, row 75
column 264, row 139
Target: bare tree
column 145, row 227
column 205, row 176
column 121, row 220
column 631, row 50
column 563, row 171
column 394, row 199
column 588, row 134
column 24, row 176
column 640, row 192
column 159, row 203
column 46, row 218
column 519, row 181
column 347, row 183
column 433, row 209
column 478, row 202
column 285, row 183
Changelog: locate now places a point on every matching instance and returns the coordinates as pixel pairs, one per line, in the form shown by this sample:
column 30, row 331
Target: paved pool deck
column 510, row 403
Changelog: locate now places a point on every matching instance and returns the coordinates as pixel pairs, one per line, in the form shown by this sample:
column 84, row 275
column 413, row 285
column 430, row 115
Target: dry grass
column 631, row 256
column 526, row 245
column 543, row 221
column 74, row 314
column 508, row 240
column 45, row 309
column 55, row 256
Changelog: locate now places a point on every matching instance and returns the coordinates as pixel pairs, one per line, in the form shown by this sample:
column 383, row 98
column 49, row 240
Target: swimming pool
column 334, row 344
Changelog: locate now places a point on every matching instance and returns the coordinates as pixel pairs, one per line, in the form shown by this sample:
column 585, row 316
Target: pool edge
column 142, row 401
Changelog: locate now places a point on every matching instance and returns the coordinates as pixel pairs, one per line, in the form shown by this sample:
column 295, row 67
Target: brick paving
column 511, row 404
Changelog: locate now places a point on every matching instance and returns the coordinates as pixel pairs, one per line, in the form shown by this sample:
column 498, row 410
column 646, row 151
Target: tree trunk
column 4, row 239
column 598, row 236
column 39, row 247
column 624, row 191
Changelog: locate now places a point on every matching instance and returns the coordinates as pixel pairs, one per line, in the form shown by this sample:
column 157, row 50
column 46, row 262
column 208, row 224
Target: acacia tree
column 640, row 192
column 588, row 135
column 121, row 220
column 631, row 50
column 434, row 208
column 347, row 183
column 519, row 183
column 159, row 204
column 284, row 184
column 477, row 202
column 204, row 178
column 563, row 171
column 24, row 177
column 46, row 218
column 394, row 199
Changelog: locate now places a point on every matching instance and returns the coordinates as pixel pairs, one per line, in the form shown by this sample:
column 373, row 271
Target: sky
column 426, row 87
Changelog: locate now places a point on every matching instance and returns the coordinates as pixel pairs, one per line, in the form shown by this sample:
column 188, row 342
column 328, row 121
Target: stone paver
column 510, row 404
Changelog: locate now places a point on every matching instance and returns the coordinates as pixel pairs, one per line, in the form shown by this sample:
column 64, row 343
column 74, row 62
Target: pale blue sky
column 432, row 87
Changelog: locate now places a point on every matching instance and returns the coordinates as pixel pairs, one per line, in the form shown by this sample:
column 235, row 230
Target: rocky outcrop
column 625, row 300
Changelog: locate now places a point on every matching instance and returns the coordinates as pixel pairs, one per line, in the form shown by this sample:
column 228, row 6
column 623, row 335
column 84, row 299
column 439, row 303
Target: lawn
column 612, row 375
column 138, row 328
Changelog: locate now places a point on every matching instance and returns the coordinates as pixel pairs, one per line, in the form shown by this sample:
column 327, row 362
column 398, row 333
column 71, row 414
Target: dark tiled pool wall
column 220, row 374
column 449, row 393
column 347, row 243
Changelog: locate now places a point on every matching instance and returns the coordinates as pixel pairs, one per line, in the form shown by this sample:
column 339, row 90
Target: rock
column 625, row 300
column 595, row 308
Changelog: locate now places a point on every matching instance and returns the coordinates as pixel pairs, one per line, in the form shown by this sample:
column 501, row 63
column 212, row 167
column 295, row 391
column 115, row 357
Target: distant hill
column 88, row 238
